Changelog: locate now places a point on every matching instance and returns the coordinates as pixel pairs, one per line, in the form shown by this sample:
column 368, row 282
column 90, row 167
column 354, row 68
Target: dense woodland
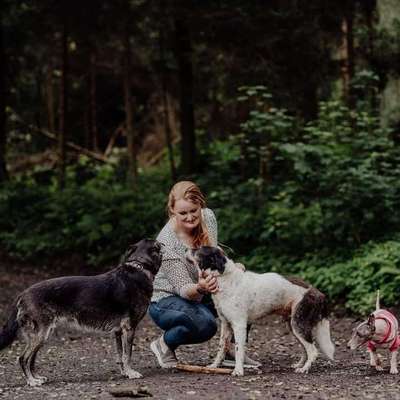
column 286, row 113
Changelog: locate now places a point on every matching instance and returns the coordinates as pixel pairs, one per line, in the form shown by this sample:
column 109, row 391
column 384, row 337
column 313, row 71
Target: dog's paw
column 42, row 379
column 298, row 364
column 132, row 374
column 213, row 365
column 379, row 368
column 238, row 372
column 394, row 371
column 302, row 370
column 36, row 381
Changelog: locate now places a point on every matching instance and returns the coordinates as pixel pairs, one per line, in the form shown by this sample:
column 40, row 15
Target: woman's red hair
column 189, row 191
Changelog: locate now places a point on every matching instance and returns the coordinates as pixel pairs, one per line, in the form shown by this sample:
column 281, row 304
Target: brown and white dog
column 245, row 296
column 380, row 330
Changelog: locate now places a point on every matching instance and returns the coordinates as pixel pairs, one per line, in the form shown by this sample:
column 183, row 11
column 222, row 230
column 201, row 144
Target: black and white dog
column 115, row 301
column 245, row 296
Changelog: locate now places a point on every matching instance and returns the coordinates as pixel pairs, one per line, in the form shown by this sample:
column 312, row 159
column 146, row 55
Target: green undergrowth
column 317, row 199
column 350, row 279
column 97, row 218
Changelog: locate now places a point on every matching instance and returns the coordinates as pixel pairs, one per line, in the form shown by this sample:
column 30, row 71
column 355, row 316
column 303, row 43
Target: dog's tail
column 378, row 302
column 311, row 319
column 9, row 331
column 323, row 338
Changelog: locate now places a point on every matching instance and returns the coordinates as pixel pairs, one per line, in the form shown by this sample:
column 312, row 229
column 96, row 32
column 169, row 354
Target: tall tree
column 92, row 103
column 185, row 69
column 63, row 104
column 129, row 126
column 50, row 104
column 347, row 50
column 389, row 14
column 167, row 126
column 3, row 115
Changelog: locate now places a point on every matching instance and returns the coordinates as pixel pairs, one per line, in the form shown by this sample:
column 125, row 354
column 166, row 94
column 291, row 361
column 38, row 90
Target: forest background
column 286, row 113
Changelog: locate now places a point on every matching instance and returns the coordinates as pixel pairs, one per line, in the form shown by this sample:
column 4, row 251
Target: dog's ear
column 128, row 253
column 219, row 261
column 131, row 249
column 371, row 320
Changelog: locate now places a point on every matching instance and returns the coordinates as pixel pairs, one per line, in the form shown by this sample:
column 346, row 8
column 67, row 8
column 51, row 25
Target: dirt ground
column 82, row 365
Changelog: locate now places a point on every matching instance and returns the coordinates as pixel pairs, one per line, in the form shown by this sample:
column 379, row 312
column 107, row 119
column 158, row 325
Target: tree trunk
column 63, row 107
column 51, row 119
column 3, row 115
column 347, row 51
column 168, row 133
column 388, row 12
column 130, row 136
column 39, row 99
column 369, row 8
column 167, row 126
column 184, row 58
column 94, row 140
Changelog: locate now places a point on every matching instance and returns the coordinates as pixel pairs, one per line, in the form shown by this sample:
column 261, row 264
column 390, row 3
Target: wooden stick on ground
column 203, row 370
column 131, row 391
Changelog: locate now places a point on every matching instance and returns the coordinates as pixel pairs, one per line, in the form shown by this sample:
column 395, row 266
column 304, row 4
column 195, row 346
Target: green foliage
column 354, row 281
column 326, row 209
column 331, row 181
column 97, row 218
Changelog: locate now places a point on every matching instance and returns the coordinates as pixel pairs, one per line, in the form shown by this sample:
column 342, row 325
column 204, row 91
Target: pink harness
column 391, row 335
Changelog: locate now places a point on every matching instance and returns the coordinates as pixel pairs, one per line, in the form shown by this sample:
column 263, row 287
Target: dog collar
column 135, row 264
column 139, row 267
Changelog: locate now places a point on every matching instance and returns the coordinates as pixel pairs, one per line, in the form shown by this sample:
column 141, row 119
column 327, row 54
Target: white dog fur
column 243, row 297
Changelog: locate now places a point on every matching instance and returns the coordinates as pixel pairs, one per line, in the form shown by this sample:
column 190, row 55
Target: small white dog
column 380, row 330
column 244, row 296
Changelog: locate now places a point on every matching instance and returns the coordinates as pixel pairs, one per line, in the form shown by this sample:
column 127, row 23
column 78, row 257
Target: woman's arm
column 182, row 282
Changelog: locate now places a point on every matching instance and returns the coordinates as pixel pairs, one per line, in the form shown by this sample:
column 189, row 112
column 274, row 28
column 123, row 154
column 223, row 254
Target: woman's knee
column 154, row 313
column 200, row 326
column 198, row 321
column 206, row 329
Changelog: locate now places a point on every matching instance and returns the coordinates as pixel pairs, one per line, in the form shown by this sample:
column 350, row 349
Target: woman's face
column 187, row 214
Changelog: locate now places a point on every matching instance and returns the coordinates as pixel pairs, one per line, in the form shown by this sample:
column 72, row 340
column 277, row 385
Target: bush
column 355, row 281
column 97, row 218
column 316, row 199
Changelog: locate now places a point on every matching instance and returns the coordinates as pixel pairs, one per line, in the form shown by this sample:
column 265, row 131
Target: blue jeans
column 184, row 321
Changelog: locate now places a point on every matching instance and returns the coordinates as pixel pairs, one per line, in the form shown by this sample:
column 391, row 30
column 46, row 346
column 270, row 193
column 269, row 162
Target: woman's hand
column 207, row 283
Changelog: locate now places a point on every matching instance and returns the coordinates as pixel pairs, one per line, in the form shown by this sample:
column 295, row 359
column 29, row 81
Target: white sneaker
column 165, row 356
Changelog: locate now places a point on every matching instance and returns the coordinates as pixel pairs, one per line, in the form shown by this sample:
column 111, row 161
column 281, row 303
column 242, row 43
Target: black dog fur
column 115, row 301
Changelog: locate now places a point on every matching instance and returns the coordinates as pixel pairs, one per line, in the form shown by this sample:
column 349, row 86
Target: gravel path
column 82, row 365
